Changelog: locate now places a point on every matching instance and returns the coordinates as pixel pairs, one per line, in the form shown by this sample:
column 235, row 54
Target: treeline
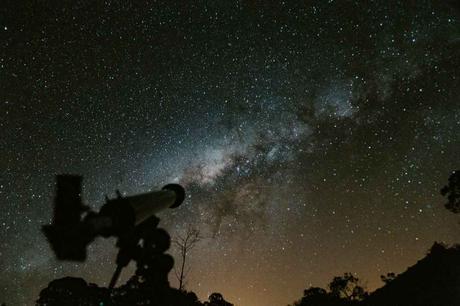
column 432, row 281
column 70, row 291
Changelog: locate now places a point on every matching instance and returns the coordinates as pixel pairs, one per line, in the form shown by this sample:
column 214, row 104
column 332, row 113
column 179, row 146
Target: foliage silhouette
column 318, row 296
column 347, row 287
column 216, row 299
column 73, row 291
column 389, row 277
column 343, row 290
column 452, row 190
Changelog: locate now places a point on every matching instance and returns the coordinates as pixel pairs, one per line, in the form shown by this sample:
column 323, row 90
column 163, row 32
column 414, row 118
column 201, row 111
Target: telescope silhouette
column 75, row 226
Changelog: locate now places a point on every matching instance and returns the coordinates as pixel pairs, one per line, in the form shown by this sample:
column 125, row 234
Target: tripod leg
column 115, row 276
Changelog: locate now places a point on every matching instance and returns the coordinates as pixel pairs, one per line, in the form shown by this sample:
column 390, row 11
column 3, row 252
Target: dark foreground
column 433, row 281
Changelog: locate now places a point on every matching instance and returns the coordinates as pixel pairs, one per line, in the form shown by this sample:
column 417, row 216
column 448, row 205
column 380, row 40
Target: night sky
column 312, row 137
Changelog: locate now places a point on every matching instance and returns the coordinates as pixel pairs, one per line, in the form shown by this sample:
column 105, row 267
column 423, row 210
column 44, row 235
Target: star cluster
column 312, row 138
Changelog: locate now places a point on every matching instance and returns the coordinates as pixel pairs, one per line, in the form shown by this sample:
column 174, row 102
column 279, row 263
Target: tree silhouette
column 438, row 248
column 315, row 296
column 185, row 243
column 314, row 291
column 452, row 190
column 388, row 278
column 343, row 291
column 216, row 299
column 347, row 287
column 73, row 292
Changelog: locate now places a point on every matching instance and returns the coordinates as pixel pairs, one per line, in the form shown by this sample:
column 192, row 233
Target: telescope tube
column 122, row 214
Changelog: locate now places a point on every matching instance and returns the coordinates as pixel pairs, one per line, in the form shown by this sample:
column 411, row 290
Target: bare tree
column 185, row 243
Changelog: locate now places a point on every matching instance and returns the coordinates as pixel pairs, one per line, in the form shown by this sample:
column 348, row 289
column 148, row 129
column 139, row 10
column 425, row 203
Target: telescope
column 75, row 226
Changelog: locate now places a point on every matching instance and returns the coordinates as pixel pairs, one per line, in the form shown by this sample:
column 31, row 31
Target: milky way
column 312, row 138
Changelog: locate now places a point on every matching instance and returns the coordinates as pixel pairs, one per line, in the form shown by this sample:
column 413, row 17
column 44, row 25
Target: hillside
column 432, row 281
